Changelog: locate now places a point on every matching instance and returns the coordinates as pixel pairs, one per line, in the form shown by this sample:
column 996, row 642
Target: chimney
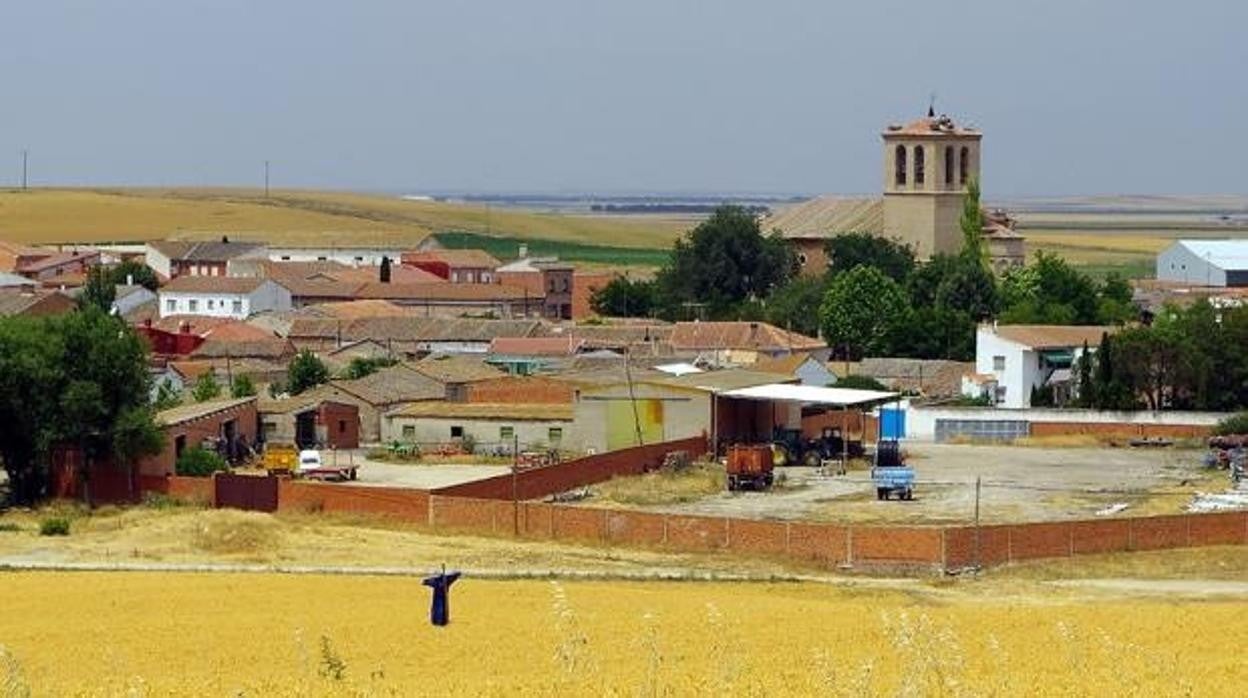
column 225, row 239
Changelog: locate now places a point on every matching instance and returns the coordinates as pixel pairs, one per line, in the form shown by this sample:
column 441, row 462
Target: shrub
column 860, row 383
column 9, row 527
column 54, row 526
column 199, row 462
column 1235, row 424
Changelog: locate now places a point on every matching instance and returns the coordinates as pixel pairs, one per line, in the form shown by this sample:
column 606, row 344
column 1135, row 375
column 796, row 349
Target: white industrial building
column 350, row 256
column 222, row 296
column 1011, row 360
column 1219, row 263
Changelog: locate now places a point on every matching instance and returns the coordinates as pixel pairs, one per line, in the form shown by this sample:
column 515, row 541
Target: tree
column 790, row 306
column 856, row 382
column 1049, row 291
column 206, row 387
column 77, row 380
column 1084, row 390
column 305, row 371
column 861, row 312
column 850, row 250
column 935, row 333
column 199, row 462
column 968, row 287
column 99, row 291
column 972, row 224
column 625, row 297
column 384, row 272
column 138, row 273
column 722, row 262
column 242, row 387
column 166, row 396
column 362, row 366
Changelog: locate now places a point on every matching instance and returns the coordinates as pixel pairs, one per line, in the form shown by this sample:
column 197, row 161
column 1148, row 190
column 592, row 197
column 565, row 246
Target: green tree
column 206, row 387
column 362, row 366
column 134, row 272
column 625, row 297
column 861, row 312
column 166, row 396
column 722, row 262
column 857, row 382
column 935, row 333
column 199, row 462
column 850, row 250
column 968, row 287
column 790, row 306
column 99, row 291
column 1049, row 291
column 1084, row 389
column 305, row 371
column 78, row 380
column 242, row 387
column 972, row 224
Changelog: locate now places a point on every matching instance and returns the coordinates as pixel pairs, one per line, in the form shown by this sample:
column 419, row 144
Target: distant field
column 508, row 248
column 297, row 217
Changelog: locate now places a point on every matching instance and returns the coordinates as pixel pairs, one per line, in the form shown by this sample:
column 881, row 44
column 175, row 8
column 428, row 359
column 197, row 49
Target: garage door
column 981, row 429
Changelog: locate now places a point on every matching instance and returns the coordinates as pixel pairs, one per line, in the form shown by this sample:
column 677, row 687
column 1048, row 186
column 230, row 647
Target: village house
column 1013, row 360
column 213, row 296
column 741, row 343
column 36, row 303
column 490, row 428
column 44, row 264
column 456, row 266
column 173, row 258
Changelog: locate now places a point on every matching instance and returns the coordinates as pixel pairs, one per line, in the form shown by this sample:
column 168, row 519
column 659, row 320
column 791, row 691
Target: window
column 998, row 363
column 171, row 306
column 454, row 276
column 554, row 435
column 963, row 165
column 238, row 306
column 457, row 432
column 948, row 164
column 342, row 426
column 192, row 305
column 285, row 258
column 802, row 259
column 899, row 164
column 506, row 433
column 409, row 432
column 210, row 303
column 920, row 161
column 359, row 259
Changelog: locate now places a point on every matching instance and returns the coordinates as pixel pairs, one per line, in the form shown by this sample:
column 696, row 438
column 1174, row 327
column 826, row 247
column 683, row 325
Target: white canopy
column 811, row 395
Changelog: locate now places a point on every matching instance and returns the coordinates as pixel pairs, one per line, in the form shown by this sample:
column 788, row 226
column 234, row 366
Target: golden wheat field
column 242, row 634
column 295, row 217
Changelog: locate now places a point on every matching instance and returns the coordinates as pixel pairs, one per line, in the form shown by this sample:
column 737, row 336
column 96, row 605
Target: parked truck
column 750, row 467
column 889, row 472
column 287, row 460
column 280, row 459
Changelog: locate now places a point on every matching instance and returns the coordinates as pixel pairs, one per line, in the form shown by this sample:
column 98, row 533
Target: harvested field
column 217, row 634
column 293, row 217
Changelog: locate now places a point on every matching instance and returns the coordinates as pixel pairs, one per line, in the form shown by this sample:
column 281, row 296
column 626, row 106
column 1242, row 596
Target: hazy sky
column 1074, row 96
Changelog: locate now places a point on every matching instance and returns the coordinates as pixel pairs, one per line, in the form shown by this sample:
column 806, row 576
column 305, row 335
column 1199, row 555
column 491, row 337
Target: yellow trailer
column 281, row 459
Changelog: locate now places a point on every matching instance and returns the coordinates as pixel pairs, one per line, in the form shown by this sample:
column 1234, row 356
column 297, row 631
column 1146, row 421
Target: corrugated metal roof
column 1224, row 254
column 812, row 395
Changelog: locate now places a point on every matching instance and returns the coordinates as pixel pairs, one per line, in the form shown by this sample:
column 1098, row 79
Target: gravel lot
column 421, row 476
column 1018, row 484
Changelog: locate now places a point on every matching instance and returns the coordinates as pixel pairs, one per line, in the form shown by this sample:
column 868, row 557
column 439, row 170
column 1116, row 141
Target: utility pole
column 515, row 494
column 25, row 156
column 978, row 483
column 266, row 179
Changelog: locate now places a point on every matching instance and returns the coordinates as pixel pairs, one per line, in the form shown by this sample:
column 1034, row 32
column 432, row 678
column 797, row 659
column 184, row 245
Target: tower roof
column 932, row 127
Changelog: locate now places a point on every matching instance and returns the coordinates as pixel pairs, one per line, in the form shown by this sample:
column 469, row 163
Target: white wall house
column 1013, row 359
column 1205, row 263
column 350, row 256
column 229, row 297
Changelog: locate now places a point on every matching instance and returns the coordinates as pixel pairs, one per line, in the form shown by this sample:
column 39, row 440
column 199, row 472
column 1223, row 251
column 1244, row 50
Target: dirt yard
column 423, row 476
column 1018, row 484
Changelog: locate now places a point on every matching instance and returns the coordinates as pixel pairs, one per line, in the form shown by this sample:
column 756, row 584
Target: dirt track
column 1018, row 483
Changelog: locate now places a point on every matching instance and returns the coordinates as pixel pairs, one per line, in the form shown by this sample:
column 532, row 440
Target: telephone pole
column 266, row 179
column 25, row 156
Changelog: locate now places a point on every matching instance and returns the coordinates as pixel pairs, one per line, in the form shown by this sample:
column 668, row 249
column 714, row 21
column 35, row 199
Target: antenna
column 25, row 155
column 266, row 179
column 931, row 106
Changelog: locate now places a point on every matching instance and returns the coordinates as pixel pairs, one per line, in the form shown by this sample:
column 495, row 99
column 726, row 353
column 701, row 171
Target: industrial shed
column 1220, row 263
column 491, row 427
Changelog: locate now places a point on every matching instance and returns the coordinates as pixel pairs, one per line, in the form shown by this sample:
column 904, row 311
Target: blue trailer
column 890, row 474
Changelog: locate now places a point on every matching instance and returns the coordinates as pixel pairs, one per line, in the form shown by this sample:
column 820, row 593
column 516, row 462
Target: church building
column 928, row 164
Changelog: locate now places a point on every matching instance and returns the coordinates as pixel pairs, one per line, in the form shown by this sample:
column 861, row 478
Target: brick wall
column 520, row 389
column 399, row 503
column 1121, row 430
column 561, row 477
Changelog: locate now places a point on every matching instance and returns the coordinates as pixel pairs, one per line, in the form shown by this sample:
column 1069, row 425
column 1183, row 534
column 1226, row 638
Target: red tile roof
column 213, row 284
column 757, row 336
column 932, row 126
column 469, row 258
column 536, row 346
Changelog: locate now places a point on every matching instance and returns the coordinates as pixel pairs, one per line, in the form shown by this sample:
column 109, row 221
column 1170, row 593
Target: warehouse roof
column 1053, row 336
column 199, row 410
column 1224, row 254
column 812, row 395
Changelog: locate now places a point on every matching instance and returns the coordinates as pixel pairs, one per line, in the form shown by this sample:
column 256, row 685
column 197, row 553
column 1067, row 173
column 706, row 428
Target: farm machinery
column 789, row 447
column 889, row 472
column 750, row 467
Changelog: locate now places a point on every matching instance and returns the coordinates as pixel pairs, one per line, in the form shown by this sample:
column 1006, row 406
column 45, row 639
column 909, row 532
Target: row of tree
column 1194, row 359
column 78, row 380
column 873, row 299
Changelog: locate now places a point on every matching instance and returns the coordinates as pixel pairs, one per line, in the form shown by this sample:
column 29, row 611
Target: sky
column 1074, row 96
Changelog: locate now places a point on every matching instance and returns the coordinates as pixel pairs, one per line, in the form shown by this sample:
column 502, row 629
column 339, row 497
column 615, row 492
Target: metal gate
column 246, row 492
column 981, row 429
